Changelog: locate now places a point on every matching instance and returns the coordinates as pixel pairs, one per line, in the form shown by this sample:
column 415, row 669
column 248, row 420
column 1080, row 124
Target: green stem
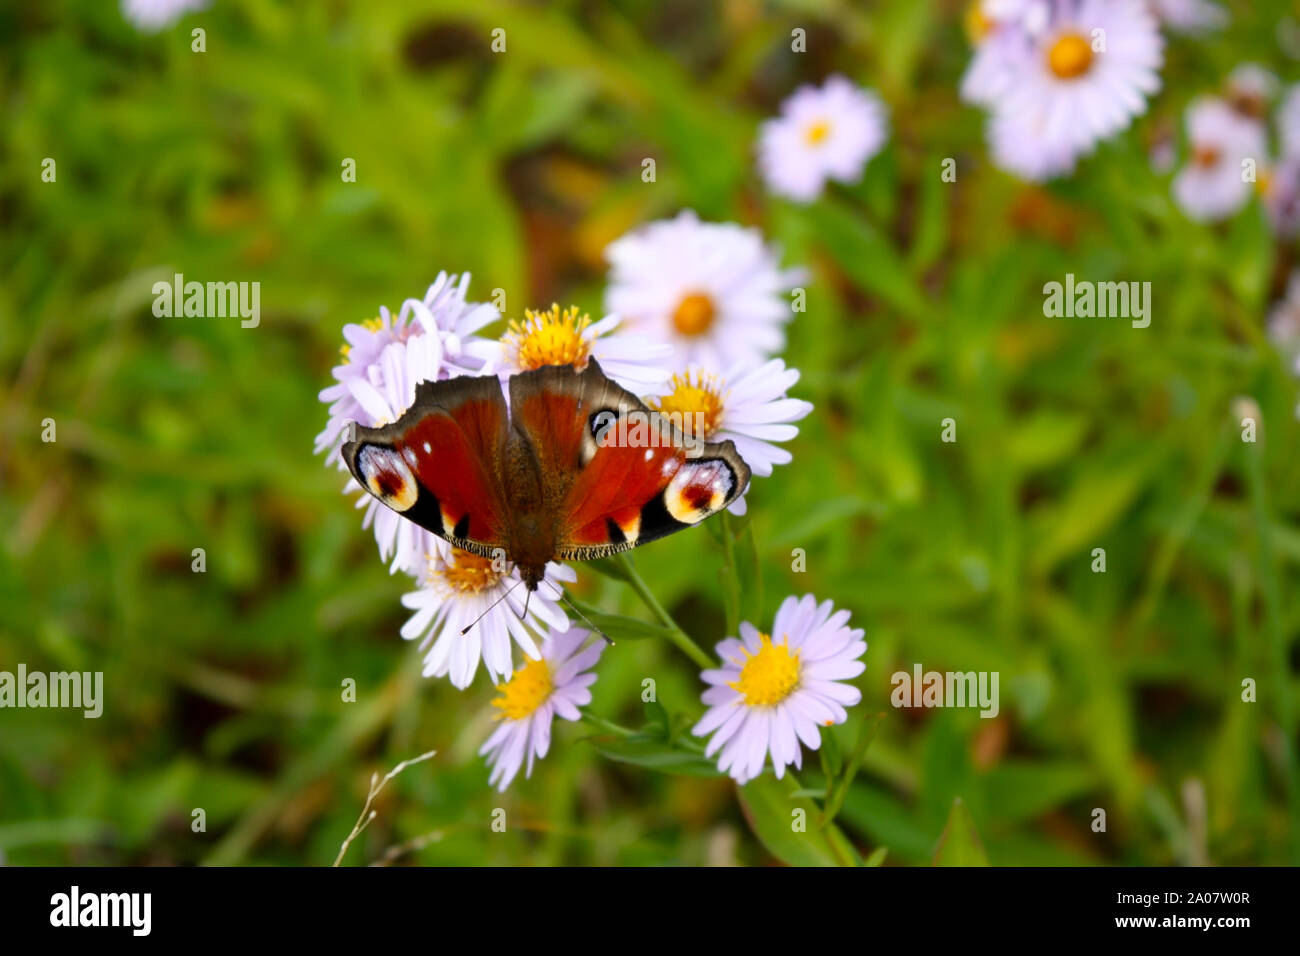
column 607, row 725
column 676, row 635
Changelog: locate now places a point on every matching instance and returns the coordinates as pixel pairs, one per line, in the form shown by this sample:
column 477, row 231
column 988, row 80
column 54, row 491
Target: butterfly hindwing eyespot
column 698, row 489
column 387, row 477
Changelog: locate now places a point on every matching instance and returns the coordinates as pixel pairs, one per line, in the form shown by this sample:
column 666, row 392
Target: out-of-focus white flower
column 1089, row 74
column 1189, row 16
column 826, row 132
column 1212, row 185
column 553, row 685
column 1288, row 122
column 715, row 292
column 1284, row 320
column 774, row 691
column 150, row 16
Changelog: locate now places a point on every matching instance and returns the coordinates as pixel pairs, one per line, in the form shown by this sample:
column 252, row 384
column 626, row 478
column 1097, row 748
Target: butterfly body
column 574, row 468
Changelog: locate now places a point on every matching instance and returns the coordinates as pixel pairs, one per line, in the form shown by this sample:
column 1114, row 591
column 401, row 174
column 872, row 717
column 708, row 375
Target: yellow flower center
column 527, row 689
column 816, row 133
column 769, row 676
column 374, row 325
column 1264, row 183
column 1070, row 56
column 466, row 572
column 550, row 338
column 693, row 392
column 694, row 315
column 978, row 23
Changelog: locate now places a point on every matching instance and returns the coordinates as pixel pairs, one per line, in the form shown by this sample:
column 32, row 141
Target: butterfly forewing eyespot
column 698, row 489
column 387, row 476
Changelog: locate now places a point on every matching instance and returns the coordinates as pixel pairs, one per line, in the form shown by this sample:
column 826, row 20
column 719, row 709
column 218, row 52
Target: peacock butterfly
column 575, row 468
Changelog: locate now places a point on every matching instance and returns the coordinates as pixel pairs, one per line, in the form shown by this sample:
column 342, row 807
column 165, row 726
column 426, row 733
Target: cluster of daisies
column 697, row 315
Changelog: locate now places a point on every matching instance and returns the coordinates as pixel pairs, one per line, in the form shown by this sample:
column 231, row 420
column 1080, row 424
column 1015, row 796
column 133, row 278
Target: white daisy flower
column 1002, row 33
column 150, row 16
column 1189, row 16
column 1019, row 147
column 555, row 337
column 827, row 132
column 443, row 314
column 714, row 291
column 365, row 342
column 747, row 405
column 773, row 691
column 1089, row 74
column 1212, row 186
column 444, row 311
column 458, row 588
column 553, row 685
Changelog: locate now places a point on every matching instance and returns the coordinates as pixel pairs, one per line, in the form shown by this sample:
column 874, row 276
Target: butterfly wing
column 615, row 473
column 441, row 464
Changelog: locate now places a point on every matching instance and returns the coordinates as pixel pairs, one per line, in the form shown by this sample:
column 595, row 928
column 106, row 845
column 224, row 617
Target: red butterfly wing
column 614, row 473
column 441, row 463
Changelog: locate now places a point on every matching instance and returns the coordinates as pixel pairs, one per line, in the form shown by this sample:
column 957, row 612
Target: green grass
column 1120, row 691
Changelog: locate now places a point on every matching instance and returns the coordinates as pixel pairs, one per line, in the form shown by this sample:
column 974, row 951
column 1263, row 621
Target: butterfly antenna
column 559, row 592
column 466, row 628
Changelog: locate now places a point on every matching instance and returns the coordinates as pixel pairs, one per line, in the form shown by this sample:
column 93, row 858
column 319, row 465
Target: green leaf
column 867, row 256
column 831, row 756
column 657, row 722
column 645, row 751
column 877, row 857
column 769, row 806
column 610, row 567
column 866, row 734
column 618, row 627
column 960, row 843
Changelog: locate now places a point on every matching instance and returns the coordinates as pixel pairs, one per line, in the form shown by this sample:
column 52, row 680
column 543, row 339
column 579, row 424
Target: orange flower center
column 1070, row 56
column 694, row 314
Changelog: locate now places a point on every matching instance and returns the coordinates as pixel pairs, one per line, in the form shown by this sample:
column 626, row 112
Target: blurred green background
column 1119, row 690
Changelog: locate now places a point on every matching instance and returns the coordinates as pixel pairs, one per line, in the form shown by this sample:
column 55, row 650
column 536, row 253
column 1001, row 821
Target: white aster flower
column 714, row 291
column 1189, row 16
column 1018, row 146
column 1088, row 75
column 1212, row 186
column 1002, row 33
column 773, row 691
column 637, row 362
column 747, row 405
column 457, row 587
column 443, row 314
column 150, row 16
column 553, row 685
column 826, row 132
